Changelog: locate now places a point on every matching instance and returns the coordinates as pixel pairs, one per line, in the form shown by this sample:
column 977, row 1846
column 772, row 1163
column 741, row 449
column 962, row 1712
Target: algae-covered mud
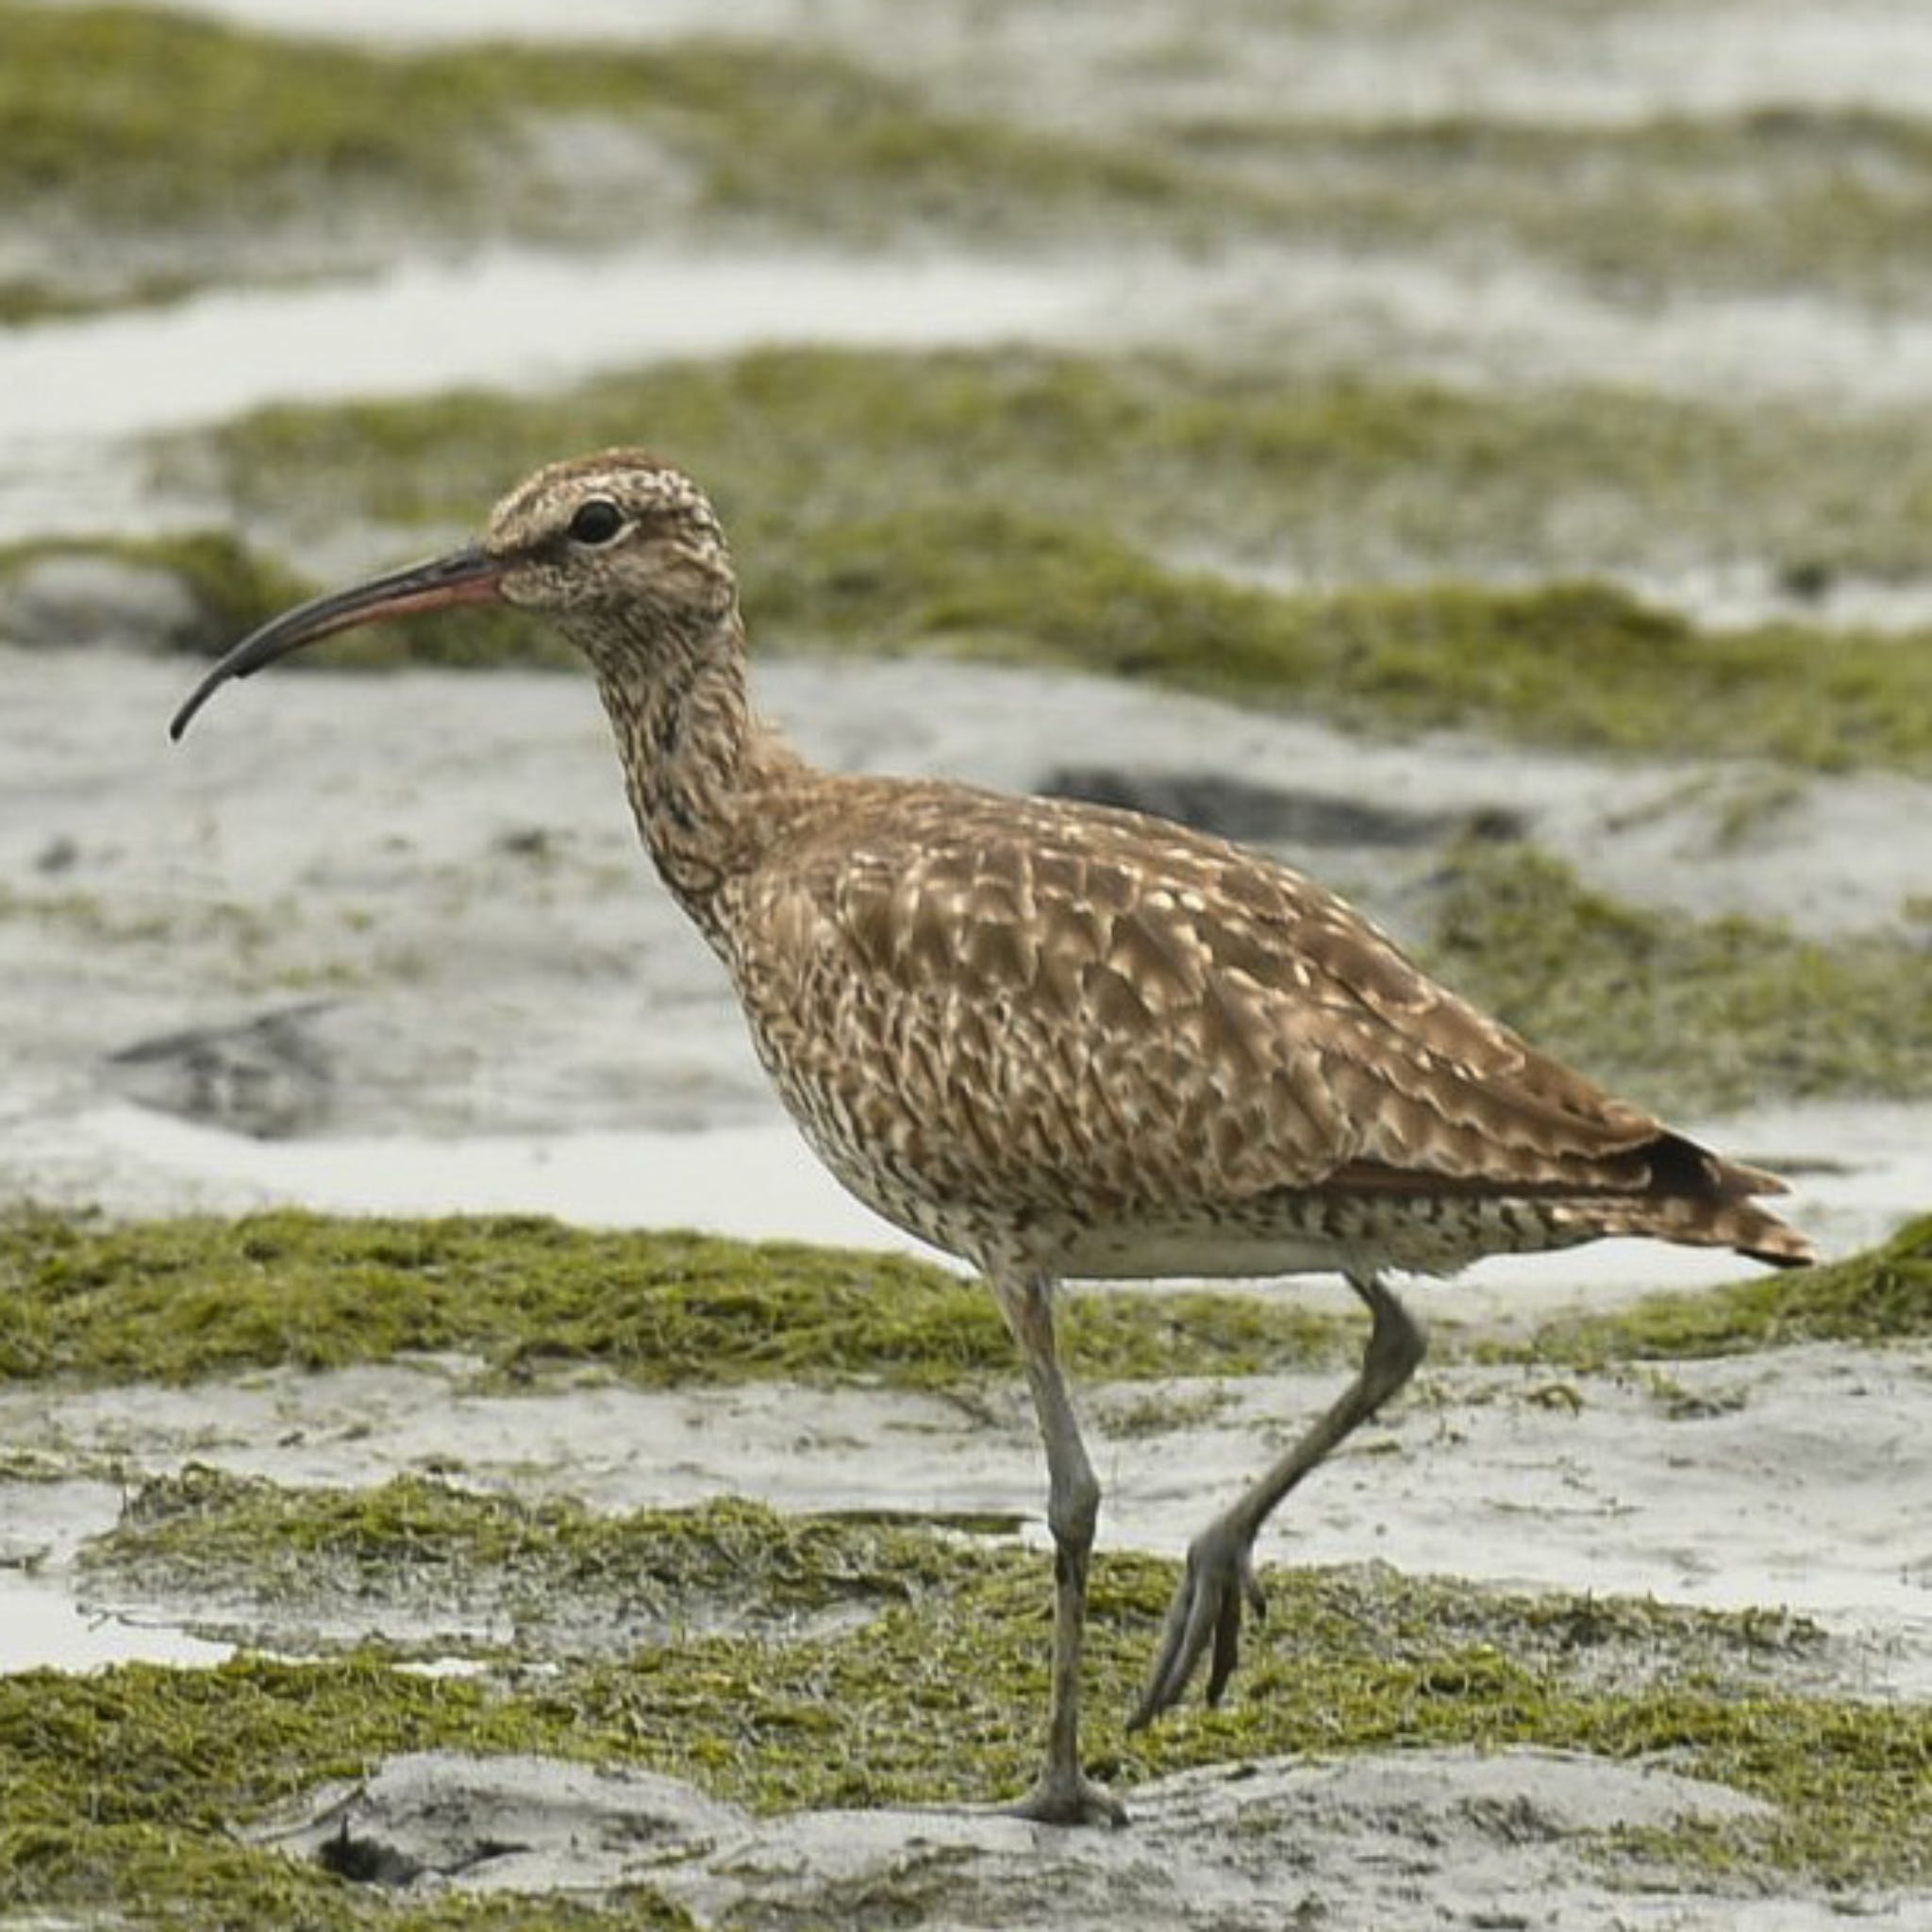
column 452, row 1676
column 460, row 1463
column 1300, row 466
column 93, row 1301
column 263, row 135
column 191, row 1299
column 933, row 504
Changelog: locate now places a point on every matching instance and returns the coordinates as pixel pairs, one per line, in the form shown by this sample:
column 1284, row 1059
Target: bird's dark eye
column 596, row 521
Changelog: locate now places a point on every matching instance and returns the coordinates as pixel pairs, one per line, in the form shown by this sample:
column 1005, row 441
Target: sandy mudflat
column 386, row 943
column 405, row 922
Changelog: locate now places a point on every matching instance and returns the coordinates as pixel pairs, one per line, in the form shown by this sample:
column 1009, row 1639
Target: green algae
column 616, row 1582
column 568, row 1581
column 1683, row 1013
column 244, row 122
column 255, row 127
column 177, row 1299
column 1879, row 1296
column 1034, row 509
column 734, row 1567
column 94, row 920
column 1286, row 464
column 122, row 1787
column 106, row 1770
column 1580, row 665
column 259, row 130
column 1785, row 198
column 44, row 298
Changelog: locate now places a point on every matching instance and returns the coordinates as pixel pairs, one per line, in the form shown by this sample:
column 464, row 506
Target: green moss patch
column 245, row 122
column 439, row 1559
column 177, row 1299
column 1576, row 664
column 181, row 1300
column 122, row 1787
column 1284, row 465
column 1032, row 508
column 741, row 1567
column 255, row 127
column 46, row 298
column 1780, row 198
column 1684, row 1013
column 1882, row 1295
column 110, row 1773
column 563, row 1572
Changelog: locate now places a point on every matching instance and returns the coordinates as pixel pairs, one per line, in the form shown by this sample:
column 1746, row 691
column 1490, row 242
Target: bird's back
column 1134, row 1048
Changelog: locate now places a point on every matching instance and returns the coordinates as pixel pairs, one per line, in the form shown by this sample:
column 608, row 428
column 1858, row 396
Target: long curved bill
column 469, row 575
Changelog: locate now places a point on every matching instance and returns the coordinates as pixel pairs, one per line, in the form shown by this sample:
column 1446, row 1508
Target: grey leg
column 1221, row 1560
column 1064, row 1794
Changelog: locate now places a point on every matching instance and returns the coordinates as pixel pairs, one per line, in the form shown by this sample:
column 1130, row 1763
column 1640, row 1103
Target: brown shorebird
column 1060, row 1041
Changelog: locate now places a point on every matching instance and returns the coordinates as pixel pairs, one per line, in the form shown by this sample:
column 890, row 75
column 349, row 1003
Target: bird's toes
column 1167, row 1677
column 1156, row 1694
column 1173, row 1664
column 1227, row 1644
column 1070, row 1799
column 1251, row 1587
column 1206, row 1613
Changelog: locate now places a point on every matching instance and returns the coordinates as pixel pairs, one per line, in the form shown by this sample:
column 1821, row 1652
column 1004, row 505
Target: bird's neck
column 702, row 772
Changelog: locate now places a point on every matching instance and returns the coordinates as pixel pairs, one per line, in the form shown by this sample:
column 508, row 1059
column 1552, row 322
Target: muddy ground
column 382, row 941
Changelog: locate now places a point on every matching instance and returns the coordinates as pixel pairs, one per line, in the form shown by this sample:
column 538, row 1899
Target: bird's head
column 617, row 531
column 620, row 547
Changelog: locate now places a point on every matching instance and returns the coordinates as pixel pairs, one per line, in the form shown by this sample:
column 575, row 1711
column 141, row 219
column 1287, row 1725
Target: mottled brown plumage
column 1062, row 1040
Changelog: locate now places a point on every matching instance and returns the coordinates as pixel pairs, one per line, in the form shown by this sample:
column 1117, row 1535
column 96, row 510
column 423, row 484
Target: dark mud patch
column 269, row 1077
column 1233, row 807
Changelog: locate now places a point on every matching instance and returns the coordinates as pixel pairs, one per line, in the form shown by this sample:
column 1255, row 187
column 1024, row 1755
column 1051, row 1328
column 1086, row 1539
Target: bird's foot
column 1069, row 1798
column 1206, row 1607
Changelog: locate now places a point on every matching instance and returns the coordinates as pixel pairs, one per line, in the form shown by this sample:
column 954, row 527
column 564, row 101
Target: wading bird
column 1060, row 1041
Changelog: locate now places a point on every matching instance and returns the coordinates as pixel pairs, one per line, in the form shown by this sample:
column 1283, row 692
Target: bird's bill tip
column 469, row 575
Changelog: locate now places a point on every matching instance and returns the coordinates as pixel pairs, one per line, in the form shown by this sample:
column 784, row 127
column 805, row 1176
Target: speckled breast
column 888, row 1169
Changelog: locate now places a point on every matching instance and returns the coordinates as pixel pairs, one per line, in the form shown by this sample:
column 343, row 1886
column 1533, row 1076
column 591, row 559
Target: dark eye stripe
column 596, row 521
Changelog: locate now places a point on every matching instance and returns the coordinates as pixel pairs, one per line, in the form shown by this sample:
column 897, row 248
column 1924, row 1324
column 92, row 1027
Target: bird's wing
column 1063, row 996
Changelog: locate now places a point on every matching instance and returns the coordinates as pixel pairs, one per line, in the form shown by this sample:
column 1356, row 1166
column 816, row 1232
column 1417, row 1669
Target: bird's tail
column 1704, row 1201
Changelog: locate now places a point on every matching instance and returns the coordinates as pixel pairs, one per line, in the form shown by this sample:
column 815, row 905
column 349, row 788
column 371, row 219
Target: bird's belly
column 1145, row 1252
column 1302, row 1233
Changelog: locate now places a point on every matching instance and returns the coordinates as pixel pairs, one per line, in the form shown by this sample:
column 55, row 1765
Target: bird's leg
column 1220, row 1576
column 1064, row 1794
